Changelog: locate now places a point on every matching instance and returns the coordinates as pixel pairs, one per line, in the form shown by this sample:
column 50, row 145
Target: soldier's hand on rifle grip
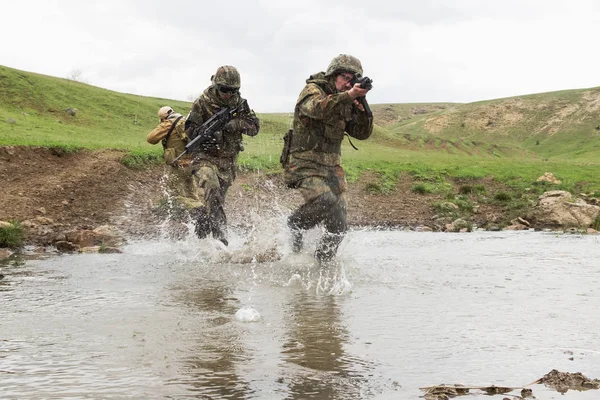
column 357, row 91
column 231, row 126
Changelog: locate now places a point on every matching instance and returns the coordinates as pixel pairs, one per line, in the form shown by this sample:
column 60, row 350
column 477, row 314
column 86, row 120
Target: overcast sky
column 415, row 51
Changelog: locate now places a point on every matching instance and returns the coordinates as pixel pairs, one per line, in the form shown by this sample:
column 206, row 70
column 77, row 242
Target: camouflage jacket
column 225, row 155
column 175, row 144
column 321, row 118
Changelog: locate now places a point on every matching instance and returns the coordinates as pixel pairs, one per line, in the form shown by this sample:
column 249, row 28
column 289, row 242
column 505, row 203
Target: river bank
column 53, row 192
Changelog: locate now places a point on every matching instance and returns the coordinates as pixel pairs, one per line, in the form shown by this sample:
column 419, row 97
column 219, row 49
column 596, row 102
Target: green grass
column 408, row 138
column 386, row 182
column 105, row 119
column 423, row 188
column 11, row 236
column 596, row 224
column 137, row 159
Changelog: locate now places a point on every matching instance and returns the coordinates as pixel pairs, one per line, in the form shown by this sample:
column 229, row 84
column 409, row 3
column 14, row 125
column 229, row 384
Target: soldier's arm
column 361, row 126
column 315, row 104
column 196, row 116
column 159, row 132
column 249, row 124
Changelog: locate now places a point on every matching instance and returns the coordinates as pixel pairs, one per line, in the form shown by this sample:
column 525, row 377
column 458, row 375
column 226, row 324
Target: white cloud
column 431, row 50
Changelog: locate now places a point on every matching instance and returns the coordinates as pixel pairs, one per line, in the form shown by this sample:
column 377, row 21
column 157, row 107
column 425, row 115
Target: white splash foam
column 247, row 314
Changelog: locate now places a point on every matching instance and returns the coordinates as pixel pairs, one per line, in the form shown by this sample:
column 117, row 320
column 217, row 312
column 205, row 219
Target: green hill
column 563, row 124
column 35, row 105
column 513, row 140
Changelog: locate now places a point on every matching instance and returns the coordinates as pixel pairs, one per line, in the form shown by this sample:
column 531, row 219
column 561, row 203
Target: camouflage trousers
column 179, row 182
column 323, row 190
column 209, row 188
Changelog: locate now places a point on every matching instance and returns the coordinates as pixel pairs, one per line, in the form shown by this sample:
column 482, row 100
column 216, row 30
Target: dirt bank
column 86, row 189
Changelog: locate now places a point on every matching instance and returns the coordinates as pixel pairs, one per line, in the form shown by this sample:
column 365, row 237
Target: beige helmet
column 344, row 63
column 227, row 76
column 164, row 112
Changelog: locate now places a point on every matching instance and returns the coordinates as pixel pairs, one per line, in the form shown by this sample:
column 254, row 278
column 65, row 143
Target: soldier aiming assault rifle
column 205, row 134
column 365, row 83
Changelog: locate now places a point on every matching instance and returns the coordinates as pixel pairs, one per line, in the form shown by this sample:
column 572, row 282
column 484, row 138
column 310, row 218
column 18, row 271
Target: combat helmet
column 344, row 63
column 227, row 75
column 164, row 112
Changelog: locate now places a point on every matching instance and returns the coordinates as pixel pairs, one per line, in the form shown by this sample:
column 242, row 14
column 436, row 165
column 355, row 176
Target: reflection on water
column 314, row 347
column 399, row 311
column 209, row 368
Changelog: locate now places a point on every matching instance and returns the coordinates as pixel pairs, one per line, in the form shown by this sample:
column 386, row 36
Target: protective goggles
column 226, row 89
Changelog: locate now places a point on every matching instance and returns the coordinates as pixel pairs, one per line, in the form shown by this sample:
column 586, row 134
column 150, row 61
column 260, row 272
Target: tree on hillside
column 76, row 75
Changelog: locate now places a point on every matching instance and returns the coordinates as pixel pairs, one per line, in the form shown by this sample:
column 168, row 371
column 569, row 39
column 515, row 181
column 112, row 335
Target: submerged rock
column 559, row 381
column 565, row 381
column 65, row 246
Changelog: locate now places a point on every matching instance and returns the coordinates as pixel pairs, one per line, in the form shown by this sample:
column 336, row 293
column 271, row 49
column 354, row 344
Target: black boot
column 220, row 235
column 328, row 246
column 219, row 231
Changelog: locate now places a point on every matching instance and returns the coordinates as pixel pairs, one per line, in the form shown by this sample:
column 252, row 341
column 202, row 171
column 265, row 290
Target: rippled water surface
column 398, row 311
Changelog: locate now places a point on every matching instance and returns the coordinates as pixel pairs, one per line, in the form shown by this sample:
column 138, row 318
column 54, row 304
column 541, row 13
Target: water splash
column 259, row 250
column 247, row 314
column 178, row 223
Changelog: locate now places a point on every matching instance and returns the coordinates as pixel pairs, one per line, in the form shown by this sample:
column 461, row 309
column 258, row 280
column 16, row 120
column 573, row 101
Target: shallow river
column 398, row 311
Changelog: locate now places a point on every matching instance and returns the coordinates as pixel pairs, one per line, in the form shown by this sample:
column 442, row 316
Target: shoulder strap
column 351, row 144
column 166, row 138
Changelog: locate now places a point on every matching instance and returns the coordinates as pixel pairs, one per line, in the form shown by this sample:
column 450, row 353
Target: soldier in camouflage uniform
column 214, row 165
column 171, row 132
column 325, row 111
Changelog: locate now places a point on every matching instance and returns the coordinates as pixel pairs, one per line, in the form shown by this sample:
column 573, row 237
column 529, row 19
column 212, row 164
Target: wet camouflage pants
column 180, row 186
column 209, row 191
column 325, row 203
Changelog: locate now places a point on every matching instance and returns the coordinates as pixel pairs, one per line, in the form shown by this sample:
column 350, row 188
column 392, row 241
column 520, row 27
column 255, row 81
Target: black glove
column 234, row 125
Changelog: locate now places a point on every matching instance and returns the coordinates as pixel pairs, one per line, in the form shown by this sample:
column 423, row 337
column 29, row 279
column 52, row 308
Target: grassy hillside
column 513, row 140
column 554, row 125
column 37, row 104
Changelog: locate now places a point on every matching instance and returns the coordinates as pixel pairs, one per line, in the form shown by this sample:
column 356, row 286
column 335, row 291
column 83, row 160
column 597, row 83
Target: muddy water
column 399, row 311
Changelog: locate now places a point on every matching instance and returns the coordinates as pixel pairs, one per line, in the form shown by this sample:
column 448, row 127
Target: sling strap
column 166, row 138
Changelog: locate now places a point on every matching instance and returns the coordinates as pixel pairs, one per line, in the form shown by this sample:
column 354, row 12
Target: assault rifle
column 205, row 134
column 365, row 83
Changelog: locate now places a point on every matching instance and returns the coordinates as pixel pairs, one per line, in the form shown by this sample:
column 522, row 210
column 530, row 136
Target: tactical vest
column 322, row 135
column 229, row 144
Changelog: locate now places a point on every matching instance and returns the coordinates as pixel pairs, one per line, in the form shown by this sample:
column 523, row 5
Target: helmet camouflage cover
column 227, row 76
column 344, row 63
